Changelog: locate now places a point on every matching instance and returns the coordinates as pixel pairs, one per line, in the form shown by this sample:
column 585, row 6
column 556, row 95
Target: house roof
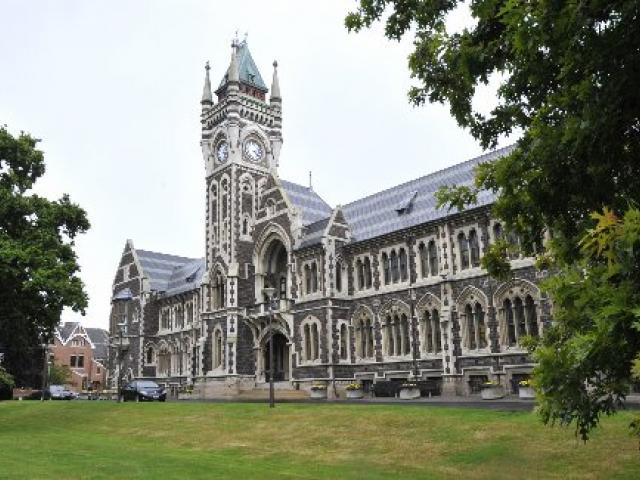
column 100, row 339
column 249, row 73
column 311, row 206
column 66, row 329
column 413, row 202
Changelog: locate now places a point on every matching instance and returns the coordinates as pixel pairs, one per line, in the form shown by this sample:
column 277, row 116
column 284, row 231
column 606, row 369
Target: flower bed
column 354, row 390
column 318, row 391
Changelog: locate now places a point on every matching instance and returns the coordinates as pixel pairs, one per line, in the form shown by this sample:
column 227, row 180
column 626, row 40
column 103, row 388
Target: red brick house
column 84, row 351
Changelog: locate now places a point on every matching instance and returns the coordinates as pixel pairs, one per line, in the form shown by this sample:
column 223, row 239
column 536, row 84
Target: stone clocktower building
column 382, row 289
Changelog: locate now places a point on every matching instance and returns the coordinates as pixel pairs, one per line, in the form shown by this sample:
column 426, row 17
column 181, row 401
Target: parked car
column 59, row 392
column 143, row 390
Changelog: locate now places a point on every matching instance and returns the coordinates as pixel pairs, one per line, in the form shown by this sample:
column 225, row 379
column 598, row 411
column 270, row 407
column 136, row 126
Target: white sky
column 113, row 89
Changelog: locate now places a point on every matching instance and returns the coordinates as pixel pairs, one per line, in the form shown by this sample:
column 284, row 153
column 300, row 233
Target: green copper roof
column 249, row 73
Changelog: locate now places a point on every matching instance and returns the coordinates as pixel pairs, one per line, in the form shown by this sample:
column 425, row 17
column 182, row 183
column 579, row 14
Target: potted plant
column 409, row 391
column 354, row 390
column 319, row 391
column 491, row 391
column 526, row 390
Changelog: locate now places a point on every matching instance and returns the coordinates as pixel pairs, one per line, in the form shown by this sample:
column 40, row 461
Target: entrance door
column 280, row 359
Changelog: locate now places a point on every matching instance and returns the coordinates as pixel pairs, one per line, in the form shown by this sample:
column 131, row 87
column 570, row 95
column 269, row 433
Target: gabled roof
column 66, row 329
column 170, row 273
column 313, row 232
column 249, row 73
column 413, row 203
column 311, row 206
column 100, row 339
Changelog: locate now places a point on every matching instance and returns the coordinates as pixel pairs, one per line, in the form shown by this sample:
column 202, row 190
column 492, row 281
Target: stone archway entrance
column 280, row 358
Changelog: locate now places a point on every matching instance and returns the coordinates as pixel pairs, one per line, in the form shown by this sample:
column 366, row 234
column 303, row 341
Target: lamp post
column 45, row 369
column 120, row 349
column 414, row 331
column 269, row 292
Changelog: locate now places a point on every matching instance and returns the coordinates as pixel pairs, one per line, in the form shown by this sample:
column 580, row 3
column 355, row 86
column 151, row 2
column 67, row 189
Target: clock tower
column 241, row 141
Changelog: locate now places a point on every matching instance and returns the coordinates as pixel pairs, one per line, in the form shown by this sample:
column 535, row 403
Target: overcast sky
column 113, row 89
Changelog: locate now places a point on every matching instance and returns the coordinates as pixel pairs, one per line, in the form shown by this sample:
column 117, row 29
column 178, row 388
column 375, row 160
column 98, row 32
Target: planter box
column 185, row 395
column 527, row 393
column 409, row 393
column 355, row 393
column 492, row 393
column 318, row 394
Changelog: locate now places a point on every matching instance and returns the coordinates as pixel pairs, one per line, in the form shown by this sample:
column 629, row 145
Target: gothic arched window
column 367, row 273
column 344, row 343
column 386, row 270
column 474, row 249
column 360, row 272
column 314, row 277
column 403, row 265
column 338, row 276
column 433, row 257
column 393, row 260
column 463, row 247
column 424, row 260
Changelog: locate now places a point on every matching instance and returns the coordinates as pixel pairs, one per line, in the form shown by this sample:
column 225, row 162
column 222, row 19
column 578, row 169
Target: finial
column 246, row 35
column 275, row 84
column 310, row 184
column 207, row 98
column 234, row 72
column 235, row 40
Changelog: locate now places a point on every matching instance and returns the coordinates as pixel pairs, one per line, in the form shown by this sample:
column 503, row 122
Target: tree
column 567, row 75
column 38, row 265
column 6, row 384
column 59, row 374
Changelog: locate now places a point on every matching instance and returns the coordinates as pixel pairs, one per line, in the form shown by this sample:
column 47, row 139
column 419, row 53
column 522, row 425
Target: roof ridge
column 167, row 254
column 436, row 172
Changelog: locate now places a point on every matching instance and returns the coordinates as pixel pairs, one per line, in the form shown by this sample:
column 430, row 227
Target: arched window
column 497, row 232
column 367, row 273
column 307, row 343
column 518, row 310
column 218, row 292
column 393, row 260
column 424, row 260
column 315, row 342
column 217, row 348
column 386, row 269
column 360, row 271
column 510, row 322
column 531, row 316
column 471, row 328
column 463, row 246
column 481, row 325
column 314, row 277
column 433, row 257
column 364, row 338
column 514, row 244
column 474, row 249
column 430, row 331
column 344, row 342
column 307, row 279
column 150, row 355
column 338, row 276
column 390, row 339
column 406, row 342
column 403, row 265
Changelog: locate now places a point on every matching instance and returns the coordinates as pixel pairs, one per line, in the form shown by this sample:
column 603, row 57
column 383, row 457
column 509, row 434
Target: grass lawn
column 208, row 440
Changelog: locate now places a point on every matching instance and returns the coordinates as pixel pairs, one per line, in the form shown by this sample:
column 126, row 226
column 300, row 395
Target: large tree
column 567, row 76
column 38, row 265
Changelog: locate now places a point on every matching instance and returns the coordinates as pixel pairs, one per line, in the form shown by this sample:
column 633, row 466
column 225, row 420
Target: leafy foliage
column 59, row 374
column 6, row 379
column 585, row 357
column 38, row 267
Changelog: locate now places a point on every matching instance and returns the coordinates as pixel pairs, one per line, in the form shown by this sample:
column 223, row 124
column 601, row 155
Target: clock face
column 222, row 151
column 253, row 150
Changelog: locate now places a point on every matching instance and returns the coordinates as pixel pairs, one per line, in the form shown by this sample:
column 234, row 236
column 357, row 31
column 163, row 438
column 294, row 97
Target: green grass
column 203, row 440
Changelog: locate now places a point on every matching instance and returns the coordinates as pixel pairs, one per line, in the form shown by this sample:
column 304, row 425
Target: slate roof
column 313, row 232
column 312, row 207
column 249, row 73
column 66, row 329
column 167, row 272
column 100, row 339
column 384, row 212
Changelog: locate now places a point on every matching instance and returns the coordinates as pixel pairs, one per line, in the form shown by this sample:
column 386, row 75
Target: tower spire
column 234, row 72
column 207, row 98
column 275, row 84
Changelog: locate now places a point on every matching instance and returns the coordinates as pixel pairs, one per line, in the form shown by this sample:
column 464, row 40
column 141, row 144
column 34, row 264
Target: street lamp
column 414, row 331
column 121, row 347
column 269, row 292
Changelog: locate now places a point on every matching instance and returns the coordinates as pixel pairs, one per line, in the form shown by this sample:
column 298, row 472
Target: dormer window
column 404, row 206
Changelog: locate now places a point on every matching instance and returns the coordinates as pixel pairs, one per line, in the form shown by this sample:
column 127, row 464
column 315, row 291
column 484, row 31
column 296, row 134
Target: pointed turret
column 207, row 98
column 275, row 84
column 243, row 73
